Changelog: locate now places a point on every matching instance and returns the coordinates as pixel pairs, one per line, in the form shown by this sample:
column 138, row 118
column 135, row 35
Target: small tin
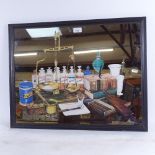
column 51, row 109
column 25, row 93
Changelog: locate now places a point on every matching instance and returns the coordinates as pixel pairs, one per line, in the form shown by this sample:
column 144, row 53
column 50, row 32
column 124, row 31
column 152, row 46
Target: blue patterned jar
column 25, row 93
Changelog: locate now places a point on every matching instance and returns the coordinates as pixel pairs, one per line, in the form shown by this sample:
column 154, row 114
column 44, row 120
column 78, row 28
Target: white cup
column 114, row 69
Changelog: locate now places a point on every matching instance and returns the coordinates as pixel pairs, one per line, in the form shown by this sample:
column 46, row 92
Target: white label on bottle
column 71, row 80
column 41, row 79
column 48, row 78
column 64, row 80
column 79, row 80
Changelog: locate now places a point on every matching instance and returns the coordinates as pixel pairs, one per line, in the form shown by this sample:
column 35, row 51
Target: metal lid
column 25, row 84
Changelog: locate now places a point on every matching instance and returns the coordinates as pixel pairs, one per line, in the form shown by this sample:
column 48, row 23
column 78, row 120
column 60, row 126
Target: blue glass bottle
column 98, row 63
column 87, row 71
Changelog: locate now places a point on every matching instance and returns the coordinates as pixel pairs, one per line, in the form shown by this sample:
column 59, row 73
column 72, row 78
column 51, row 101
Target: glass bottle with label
column 71, row 76
column 64, row 78
column 42, row 76
column 49, row 75
column 34, row 79
column 79, row 77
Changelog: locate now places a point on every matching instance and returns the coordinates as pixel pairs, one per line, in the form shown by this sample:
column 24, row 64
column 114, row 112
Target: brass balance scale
column 51, row 108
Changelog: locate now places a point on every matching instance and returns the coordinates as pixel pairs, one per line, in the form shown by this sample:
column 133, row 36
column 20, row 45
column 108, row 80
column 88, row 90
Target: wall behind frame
column 73, row 142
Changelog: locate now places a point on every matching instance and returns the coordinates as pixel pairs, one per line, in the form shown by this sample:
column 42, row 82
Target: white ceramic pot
column 114, row 69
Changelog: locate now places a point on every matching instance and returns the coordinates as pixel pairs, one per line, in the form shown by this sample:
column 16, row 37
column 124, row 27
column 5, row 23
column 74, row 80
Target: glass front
column 86, row 74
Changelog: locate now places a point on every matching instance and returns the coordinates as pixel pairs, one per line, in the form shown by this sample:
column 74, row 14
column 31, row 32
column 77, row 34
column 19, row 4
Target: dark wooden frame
column 142, row 127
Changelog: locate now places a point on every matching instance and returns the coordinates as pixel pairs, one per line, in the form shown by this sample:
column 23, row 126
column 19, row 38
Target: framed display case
column 84, row 74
